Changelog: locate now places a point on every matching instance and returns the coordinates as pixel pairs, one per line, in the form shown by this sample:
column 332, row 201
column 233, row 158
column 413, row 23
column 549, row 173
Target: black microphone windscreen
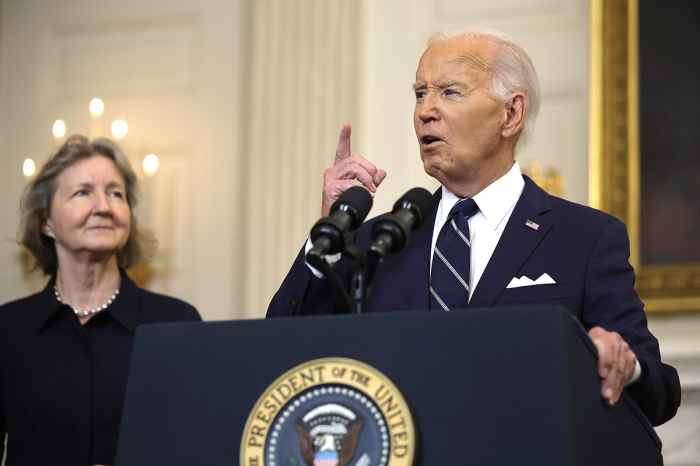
column 418, row 200
column 356, row 199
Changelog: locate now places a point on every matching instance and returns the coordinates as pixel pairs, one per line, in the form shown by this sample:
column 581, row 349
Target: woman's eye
column 118, row 194
column 80, row 192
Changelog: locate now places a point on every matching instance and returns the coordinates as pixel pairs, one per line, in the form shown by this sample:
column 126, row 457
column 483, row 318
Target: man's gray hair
column 512, row 71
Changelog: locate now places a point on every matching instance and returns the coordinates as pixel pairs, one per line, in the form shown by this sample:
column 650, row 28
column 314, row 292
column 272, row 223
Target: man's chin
column 434, row 171
column 432, row 161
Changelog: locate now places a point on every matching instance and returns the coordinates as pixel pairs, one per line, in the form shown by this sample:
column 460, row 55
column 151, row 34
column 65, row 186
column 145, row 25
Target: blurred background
column 230, row 111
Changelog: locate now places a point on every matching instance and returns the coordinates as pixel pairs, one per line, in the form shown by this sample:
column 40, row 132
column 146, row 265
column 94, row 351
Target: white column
column 303, row 86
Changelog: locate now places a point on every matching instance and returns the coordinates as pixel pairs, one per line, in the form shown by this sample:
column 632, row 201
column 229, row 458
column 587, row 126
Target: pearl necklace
column 91, row 311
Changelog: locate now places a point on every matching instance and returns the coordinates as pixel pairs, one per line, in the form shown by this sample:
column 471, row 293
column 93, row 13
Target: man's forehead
column 458, row 55
column 473, row 60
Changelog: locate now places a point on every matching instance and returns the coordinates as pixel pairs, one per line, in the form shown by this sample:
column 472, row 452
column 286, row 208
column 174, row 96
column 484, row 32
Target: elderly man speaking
column 477, row 96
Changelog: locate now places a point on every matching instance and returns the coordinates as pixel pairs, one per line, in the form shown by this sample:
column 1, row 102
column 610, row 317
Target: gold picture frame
column 614, row 168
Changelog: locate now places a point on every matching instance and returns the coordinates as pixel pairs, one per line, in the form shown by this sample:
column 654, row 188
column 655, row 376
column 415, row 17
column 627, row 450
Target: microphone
column 410, row 212
column 347, row 214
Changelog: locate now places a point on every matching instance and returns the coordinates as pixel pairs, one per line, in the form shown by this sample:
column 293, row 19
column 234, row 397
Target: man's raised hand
column 348, row 171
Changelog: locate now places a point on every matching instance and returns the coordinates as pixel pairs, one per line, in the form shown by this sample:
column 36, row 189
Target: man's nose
column 428, row 109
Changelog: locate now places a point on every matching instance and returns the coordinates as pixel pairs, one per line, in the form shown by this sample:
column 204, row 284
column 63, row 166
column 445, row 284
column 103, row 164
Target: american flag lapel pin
column 532, row 224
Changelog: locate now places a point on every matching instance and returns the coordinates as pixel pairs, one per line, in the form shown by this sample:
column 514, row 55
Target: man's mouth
column 428, row 140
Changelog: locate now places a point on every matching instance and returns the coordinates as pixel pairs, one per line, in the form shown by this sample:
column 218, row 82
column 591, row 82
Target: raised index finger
column 343, row 150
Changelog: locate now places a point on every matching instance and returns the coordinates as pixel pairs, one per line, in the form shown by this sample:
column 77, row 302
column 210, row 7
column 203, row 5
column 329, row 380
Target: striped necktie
column 449, row 278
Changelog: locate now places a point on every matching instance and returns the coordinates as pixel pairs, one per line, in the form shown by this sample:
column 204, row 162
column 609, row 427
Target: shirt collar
column 498, row 198
column 124, row 309
column 47, row 305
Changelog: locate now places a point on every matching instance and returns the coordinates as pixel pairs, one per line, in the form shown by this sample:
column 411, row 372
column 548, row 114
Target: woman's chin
column 95, row 253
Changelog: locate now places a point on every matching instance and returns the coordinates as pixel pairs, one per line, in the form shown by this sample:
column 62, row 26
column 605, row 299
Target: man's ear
column 515, row 114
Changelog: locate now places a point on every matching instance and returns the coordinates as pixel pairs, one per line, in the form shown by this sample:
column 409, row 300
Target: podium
column 484, row 386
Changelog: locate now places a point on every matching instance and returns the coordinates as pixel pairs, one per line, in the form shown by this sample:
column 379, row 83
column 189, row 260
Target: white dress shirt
column 496, row 202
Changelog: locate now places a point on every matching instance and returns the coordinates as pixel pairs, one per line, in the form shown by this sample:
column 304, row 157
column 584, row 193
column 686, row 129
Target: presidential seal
column 330, row 412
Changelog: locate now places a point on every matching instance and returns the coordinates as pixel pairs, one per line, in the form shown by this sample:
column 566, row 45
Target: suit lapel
column 416, row 261
column 515, row 246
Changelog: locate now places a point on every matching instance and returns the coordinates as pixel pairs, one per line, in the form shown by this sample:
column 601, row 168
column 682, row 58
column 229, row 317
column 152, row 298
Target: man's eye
column 420, row 95
column 118, row 194
column 450, row 92
column 80, row 192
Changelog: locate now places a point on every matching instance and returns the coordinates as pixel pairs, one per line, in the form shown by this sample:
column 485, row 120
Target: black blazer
column 62, row 384
column 585, row 251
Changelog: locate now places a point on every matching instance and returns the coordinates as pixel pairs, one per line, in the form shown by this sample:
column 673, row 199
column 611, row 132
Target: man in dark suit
column 477, row 96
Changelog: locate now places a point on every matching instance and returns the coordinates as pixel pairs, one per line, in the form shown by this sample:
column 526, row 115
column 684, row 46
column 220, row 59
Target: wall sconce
column 59, row 129
column 150, row 165
column 119, row 129
column 96, row 107
column 28, row 168
column 553, row 181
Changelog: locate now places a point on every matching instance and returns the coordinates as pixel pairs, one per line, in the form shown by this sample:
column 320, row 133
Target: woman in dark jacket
column 64, row 352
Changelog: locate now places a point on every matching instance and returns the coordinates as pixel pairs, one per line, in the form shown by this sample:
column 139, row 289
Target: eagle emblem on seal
column 328, row 434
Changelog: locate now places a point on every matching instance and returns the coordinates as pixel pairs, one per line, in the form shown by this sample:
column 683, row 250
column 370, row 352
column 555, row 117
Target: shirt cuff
column 637, row 373
column 330, row 258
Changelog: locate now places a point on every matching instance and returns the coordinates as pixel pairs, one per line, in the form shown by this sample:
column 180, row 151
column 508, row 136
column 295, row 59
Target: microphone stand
column 359, row 282
column 361, row 278
column 357, row 294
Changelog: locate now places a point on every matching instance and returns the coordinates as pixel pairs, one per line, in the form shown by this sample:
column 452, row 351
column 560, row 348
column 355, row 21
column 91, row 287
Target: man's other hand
column 616, row 363
column 347, row 171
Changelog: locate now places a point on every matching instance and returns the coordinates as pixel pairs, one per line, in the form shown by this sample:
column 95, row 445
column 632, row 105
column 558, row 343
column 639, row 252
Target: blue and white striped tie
column 449, row 278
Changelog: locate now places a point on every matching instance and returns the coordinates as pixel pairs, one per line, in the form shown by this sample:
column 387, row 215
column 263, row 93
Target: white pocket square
column 544, row 279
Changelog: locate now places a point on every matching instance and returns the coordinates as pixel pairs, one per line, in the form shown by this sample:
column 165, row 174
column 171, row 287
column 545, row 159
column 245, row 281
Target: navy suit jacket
column 585, row 251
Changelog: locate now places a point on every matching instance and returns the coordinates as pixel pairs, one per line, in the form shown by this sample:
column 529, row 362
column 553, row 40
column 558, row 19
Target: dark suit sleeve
column 3, row 431
column 302, row 292
column 611, row 302
column 192, row 315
